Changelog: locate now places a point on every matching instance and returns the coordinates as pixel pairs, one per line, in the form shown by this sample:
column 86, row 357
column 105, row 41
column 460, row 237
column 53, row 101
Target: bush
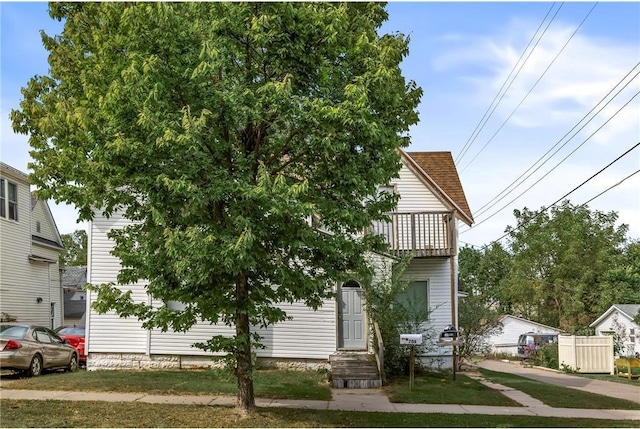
column 545, row 355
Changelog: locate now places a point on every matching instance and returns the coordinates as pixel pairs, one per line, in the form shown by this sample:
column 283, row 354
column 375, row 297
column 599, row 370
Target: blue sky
column 461, row 54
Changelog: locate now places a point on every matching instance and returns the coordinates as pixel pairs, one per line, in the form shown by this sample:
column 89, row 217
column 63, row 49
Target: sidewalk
column 371, row 400
column 600, row 387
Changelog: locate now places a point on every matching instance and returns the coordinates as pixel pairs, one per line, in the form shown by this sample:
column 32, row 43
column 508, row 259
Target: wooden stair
column 353, row 370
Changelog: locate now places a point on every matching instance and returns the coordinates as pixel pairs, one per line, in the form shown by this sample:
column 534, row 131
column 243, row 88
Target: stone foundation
column 116, row 361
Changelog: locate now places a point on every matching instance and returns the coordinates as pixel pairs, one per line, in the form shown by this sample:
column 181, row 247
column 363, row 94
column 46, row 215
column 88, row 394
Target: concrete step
column 354, row 371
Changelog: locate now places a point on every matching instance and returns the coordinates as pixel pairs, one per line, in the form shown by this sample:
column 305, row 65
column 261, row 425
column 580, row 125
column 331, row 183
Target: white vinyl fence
column 586, row 354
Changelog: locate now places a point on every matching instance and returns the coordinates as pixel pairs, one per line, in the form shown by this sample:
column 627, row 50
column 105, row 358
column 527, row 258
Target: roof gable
column 627, row 310
column 438, row 170
column 531, row 322
column 53, row 237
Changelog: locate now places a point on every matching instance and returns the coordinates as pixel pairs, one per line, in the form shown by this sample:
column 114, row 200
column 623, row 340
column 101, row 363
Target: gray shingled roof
column 74, row 276
column 629, row 309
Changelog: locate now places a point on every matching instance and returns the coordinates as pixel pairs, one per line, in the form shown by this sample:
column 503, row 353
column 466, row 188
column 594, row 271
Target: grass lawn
column 439, row 388
column 130, row 414
column 556, row 396
column 609, row 377
column 276, row 384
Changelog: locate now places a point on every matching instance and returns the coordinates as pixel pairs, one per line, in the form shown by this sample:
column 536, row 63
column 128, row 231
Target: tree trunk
column 244, row 369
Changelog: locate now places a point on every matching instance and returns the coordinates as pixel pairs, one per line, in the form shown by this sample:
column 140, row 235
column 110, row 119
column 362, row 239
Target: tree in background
column 561, row 262
column 219, row 129
column 481, row 276
column 75, row 249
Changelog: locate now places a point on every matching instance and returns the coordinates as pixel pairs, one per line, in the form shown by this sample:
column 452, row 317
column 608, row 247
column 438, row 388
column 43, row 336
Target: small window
column 415, row 299
column 3, row 200
column 37, row 226
column 13, row 201
column 42, row 336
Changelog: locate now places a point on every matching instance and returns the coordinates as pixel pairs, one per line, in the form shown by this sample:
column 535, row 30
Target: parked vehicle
column 74, row 334
column 32, row 349
column 532, row 340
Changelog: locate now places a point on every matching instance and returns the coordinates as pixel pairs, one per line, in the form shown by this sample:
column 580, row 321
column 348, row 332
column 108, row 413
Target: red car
column 74, row 334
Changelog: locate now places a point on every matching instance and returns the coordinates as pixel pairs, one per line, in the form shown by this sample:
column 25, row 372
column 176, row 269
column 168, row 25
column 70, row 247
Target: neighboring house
column 512, row 327
column 75, row 297
column 29, row 248
column 618, row 320
column 431, row 204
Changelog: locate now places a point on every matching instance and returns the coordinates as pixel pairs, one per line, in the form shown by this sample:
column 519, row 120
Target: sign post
column 411, row 340
column 449, row 338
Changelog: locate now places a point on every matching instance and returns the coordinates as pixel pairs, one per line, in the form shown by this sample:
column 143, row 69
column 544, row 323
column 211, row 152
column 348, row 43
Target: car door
column 61, row 350
column 51, row 355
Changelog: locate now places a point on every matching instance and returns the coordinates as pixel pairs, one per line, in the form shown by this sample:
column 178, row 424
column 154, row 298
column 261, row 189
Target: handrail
column 419, row 233
column 380, row 354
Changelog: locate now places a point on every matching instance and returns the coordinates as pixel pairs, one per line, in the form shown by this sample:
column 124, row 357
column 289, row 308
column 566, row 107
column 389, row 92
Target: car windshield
column 10, row 331
column 70, row 330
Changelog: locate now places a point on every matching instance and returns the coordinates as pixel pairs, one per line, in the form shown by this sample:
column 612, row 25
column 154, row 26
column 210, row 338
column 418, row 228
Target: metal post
column 411, row 367
column 455, row 361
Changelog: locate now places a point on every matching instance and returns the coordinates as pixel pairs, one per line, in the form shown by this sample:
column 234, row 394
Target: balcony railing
column 422, row 234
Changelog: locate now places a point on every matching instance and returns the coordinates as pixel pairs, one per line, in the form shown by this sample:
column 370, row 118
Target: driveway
column 607, row 388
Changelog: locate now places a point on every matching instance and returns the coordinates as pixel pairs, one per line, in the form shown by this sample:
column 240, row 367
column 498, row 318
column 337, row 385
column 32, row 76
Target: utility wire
column 481, row 124
column 583, row 204
column 530, row 90
column 575, row 189
column 612, row 186
column 495, row 200
column 549, row 172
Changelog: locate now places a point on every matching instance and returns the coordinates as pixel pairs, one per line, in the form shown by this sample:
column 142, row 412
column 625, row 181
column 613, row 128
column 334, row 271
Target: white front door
column 351, row 317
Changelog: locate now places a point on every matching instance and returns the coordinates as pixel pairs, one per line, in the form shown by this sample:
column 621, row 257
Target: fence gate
column 586, row 354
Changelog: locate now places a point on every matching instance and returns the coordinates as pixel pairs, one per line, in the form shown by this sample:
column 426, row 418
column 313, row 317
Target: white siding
column 414, row 194
column 436, row 271
column 507, row 341
column 23, row 281
column 39, row 214
column 108, row 332
column 608, row 324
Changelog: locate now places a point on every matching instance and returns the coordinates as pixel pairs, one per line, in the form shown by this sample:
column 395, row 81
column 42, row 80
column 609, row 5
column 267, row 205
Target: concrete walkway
column 600, row 387
column 370, row 400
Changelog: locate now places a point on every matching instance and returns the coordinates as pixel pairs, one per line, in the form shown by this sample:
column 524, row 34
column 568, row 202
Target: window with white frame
column 13, row 200
column 3, row 199
column 8, row 200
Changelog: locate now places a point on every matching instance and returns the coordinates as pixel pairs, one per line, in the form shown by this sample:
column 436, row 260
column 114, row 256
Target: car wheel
column 73, row 364
column 35, row 369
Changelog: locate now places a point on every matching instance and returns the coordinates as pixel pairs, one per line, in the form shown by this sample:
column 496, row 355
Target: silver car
column 32, row 349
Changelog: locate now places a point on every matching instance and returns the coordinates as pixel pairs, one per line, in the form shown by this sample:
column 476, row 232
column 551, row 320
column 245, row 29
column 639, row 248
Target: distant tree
column 219, row 129
column 75, row 249
column 560, row 263
column 481, row 275
column 623, row 277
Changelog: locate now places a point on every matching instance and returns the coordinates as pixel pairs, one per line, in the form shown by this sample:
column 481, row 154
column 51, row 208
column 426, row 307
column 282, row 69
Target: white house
column 30, row 287
column 618, row 319
column 431, row 205
column 512, row 327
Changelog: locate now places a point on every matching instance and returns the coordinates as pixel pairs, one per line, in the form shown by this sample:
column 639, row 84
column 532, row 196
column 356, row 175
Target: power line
column 530, row 90
column 576, row 188
column 492, row 202
column 583, row 204
column 554, row 167
column 612, row 186
column 481, row 124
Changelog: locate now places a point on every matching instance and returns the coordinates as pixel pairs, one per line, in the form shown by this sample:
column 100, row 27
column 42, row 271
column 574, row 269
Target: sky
column 531, row 99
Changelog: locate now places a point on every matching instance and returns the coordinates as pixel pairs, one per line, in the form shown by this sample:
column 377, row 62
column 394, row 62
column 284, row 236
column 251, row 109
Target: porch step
column 354, row 371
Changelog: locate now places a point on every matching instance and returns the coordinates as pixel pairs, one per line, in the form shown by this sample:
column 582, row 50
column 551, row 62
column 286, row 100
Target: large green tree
column 75, row 248
column 561, row 262
column 219, row 129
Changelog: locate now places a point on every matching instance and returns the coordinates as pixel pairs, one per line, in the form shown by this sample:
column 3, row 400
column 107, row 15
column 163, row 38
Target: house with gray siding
column 30, row 244
column 425, row 224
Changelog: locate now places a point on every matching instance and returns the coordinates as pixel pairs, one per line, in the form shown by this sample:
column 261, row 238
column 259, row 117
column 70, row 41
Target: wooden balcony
column 421, row 234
